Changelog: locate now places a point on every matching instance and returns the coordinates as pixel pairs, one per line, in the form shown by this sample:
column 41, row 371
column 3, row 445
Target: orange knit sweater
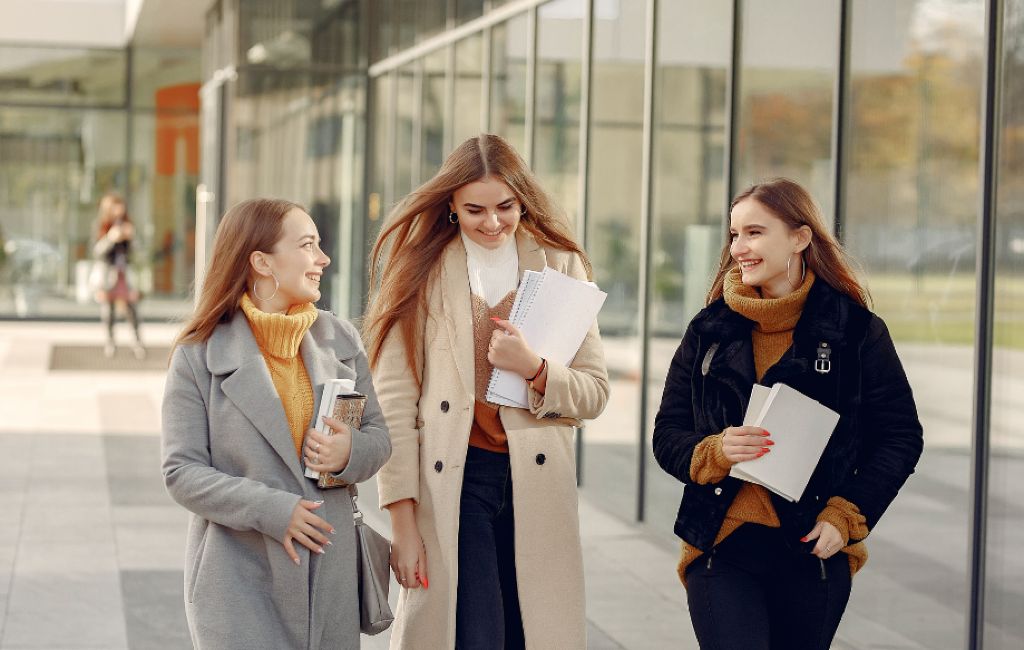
column 775, row 319
column 278, row 337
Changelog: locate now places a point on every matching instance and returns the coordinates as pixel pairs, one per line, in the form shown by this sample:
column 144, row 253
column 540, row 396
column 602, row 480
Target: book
column 554, row 312
column 799, row 426
column 340, row 401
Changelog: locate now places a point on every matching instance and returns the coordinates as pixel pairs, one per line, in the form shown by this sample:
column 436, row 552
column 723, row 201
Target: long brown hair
column 406, row 254
column 791, row 203
column 253, row 225
column 105, row 218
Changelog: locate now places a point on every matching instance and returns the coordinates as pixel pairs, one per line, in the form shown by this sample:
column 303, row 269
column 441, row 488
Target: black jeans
column 756, row 592
column 487, row 614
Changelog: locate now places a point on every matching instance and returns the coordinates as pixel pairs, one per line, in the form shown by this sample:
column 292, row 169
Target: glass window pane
column 557, row 114
column 790, row 50
column 468, row 88
column 156, row 68
column 508, row 81
column 466, row 10
column 1004, row 582
column 405, row 118
column 688, row 198
column 613, row 235
column 435, row 110
column 62, row 76
column 909, row 219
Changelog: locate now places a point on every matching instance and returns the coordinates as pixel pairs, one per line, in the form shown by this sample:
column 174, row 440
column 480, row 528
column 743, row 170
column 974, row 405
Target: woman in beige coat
column 482, row 498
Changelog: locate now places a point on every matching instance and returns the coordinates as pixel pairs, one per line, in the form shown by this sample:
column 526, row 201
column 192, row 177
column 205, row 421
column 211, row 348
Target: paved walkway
column 91, row 550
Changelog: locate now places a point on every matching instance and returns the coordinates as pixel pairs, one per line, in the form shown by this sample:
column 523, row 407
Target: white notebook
column 554, row 312
column 799, row 426
column 332, row 388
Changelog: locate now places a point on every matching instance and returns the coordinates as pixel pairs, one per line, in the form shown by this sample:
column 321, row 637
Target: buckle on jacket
column 821, row 362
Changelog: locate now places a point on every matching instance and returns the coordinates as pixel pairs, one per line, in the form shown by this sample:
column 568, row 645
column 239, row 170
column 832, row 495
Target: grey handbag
column 373, row 565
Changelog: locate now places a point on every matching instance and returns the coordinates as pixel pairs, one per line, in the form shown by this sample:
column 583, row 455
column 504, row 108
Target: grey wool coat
column 429, row 427
column 228, row 457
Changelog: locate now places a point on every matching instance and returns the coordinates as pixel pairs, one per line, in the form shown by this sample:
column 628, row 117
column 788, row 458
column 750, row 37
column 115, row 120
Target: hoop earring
column 277, row 285
column 803, row 271
column 453, row 218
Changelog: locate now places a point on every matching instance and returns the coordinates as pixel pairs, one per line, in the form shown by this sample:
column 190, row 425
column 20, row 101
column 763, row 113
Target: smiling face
column 762, row 243
column 488, row 211
column 296, row 261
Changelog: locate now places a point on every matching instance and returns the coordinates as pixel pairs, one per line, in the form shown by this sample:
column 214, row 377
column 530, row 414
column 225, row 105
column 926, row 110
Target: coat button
column 444, row 407
column 541, row 458
column 438, row 466
column 718, row 491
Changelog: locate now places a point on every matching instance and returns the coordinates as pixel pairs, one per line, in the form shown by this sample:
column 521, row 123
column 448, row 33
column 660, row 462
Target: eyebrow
column 308, row 236
column 748, row 227
column 474, row 205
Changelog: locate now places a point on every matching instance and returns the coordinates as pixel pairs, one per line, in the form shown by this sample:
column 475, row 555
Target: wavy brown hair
column 253, row 225
column 406, row 254
column 105, row 218
column 791, row 203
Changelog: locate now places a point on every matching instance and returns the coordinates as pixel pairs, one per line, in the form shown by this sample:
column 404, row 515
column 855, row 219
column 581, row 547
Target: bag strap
column 357, row 515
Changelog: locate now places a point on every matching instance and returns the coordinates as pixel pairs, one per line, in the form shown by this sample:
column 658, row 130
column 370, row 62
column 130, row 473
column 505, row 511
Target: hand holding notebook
column 799, row 426
column 341, row 402
column 553, row 312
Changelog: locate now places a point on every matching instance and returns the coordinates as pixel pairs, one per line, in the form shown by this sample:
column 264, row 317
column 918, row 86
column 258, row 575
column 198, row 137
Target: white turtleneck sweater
column 492, row 272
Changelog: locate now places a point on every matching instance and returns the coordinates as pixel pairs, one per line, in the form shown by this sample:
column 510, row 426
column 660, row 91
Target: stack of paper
column 332, row 389
column 799, row 426
column 553, row 312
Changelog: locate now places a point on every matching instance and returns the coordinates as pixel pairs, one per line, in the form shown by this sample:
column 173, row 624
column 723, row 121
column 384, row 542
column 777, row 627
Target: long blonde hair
column 407, row 252
column 791, row 203
column 253, row 225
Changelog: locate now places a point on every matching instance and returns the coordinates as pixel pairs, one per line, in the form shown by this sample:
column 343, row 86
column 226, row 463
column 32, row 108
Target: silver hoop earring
column 453, row 218
column 803, row 271
column 277, row 285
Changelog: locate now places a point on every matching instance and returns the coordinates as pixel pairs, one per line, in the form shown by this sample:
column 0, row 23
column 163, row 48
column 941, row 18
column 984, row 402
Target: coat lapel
column 321, row 363
column 458, row 312
column 233, row 351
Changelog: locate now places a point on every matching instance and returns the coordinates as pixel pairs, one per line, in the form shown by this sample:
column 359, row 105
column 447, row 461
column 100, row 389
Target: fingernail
column 330, row 543
column 769, row 442
column 495, row 319
column 425, row 584
column 296, row 561
column 803, row 539
column 320, row 550
column 766, row 434
column 333, row 531
column 320, row 502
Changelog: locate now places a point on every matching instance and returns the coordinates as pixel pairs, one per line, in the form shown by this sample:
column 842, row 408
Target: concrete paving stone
column 69, row 610
column 150, row 547
column 133, row 471
column 57, row 523
column 72, row 491
column 153, row 610
column 125, row 412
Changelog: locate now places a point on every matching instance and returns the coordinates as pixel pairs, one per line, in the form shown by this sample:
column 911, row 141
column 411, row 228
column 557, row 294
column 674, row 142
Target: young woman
column 482, row 497
column 113, row 283
column 762, row 572
column 270, row 558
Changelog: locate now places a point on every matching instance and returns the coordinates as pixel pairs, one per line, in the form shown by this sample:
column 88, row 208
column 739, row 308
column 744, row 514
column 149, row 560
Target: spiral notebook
column 800, row 428
column 554, row 312
column 341, row 401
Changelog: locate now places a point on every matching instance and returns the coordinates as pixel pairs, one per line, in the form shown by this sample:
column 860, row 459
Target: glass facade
column 74, row 124
column 738, row 97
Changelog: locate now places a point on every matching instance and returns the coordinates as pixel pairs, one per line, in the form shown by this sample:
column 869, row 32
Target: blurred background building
column 642, row 117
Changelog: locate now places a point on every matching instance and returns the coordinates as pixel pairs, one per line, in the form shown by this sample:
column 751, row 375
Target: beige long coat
column 429, row 430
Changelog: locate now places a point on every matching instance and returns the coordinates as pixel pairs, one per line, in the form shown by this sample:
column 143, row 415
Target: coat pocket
column 193, row 574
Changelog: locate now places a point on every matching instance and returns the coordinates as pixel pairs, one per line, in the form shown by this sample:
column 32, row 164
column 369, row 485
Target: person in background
column 114, row 282
column 762, row 572
column 482, row 497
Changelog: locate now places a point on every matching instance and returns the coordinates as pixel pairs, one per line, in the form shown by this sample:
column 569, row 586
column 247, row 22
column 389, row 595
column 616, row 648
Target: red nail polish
column 495, row 319
column 425, row 585
column 769, row 442
column 766, row 434
column 765, row 450
column 803, row 539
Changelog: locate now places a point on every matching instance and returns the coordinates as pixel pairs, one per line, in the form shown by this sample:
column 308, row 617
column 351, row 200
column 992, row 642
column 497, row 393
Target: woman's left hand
column 830, row 540
column 326, row 453
column 508, row 350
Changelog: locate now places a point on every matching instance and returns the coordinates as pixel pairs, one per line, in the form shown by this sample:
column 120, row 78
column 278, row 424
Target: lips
column 746, row 265
column 314, row 277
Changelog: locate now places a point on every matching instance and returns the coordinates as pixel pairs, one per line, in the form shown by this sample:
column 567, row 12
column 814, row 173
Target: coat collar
column 456, row 302
column 232, row 351
column 826, row 317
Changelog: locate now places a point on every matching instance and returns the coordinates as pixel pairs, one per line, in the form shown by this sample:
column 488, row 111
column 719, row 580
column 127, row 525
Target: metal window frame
column 840, row 119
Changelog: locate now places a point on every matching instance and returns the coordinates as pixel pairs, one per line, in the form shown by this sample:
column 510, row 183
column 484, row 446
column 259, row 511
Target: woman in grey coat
column 270, row 558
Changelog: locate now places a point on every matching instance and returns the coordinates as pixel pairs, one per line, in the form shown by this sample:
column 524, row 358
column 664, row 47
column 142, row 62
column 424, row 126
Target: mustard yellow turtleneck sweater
column 279, row 336
column 775, row 319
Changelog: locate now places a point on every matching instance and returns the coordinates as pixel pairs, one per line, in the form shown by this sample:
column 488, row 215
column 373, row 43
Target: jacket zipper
column 711, row 555
column 824, row 576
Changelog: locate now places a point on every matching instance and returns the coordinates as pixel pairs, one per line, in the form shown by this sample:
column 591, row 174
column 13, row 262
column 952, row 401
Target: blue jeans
column 487, row 614
column 756, row 592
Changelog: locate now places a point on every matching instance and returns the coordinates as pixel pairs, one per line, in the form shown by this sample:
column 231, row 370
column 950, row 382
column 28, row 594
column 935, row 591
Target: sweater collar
column 279, row 335
column 770, row 314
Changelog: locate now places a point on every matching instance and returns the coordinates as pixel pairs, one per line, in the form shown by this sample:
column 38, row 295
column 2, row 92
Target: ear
column 259, row 263
column 802, row 237
column 451, row 206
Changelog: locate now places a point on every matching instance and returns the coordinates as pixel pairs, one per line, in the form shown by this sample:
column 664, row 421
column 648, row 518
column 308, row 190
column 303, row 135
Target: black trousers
column 487, row 615
column 756, row 592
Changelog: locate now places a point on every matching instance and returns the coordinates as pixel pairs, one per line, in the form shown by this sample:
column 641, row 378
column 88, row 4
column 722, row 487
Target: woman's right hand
column 304, row 528
column 408, row 555
column 745, row 443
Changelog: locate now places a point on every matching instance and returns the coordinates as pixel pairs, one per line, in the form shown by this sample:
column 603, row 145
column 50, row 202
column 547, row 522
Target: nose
column 737, row 247
column 492, row 221
column 324, row 260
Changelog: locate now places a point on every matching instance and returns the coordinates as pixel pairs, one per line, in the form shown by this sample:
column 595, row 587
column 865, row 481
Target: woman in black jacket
column 762, row 572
